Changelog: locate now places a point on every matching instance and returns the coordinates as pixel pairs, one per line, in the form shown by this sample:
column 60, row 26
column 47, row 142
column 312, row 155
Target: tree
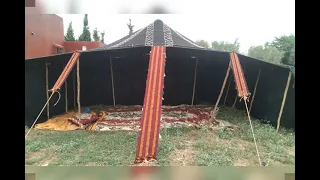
column 266, row 53
column 102, row 36
column 95, row 35
column 203, row 43
column 286, row 44
column 70, row 34
column 226, row 46
column 130, row 26
column 86, row 35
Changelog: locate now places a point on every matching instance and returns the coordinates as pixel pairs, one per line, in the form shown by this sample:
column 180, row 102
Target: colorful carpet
column 128, row 118
column 151, row 113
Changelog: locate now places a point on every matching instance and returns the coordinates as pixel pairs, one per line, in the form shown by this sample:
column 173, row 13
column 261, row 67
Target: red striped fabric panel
column 66, row 71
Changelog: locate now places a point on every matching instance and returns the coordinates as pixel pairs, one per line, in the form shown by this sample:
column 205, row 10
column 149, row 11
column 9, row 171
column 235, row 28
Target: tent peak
column 156, row 33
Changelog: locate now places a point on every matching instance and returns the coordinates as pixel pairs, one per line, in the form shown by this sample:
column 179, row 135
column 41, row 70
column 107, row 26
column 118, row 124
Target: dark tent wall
column 180, row 69
column 130, row 67
column 35, row 87
column 269, row 92
column 211, row 71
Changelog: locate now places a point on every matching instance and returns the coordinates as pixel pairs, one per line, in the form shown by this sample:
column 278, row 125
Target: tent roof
column 156, row 33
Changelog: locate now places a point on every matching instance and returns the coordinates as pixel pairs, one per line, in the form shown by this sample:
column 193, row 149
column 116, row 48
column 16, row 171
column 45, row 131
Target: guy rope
column 242, row 90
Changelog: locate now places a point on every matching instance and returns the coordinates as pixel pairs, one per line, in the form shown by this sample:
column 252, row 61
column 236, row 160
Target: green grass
column 180, row 146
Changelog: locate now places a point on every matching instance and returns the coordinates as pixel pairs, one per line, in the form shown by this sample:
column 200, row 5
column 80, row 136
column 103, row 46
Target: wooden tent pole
column 47, row 89
column 283, row 100
column 74, row 88
column 194, row 81
column 225, row 98
column 254, row 91
column 111, row 71
column 221, row 91
column 78, row 87
column 66, row 93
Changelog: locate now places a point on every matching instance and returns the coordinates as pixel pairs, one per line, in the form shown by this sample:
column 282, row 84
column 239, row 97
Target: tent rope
column 58, row 98
column 39, row 115
column 254, row 138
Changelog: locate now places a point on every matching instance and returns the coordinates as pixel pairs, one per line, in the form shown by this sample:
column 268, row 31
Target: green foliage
column 286, row 44
column 70, row 34
column 95, row 35
column 203, row 43
column 266, row 53
column 226, row 46
column 102, row 36
column 86, row 35
column 130, row 26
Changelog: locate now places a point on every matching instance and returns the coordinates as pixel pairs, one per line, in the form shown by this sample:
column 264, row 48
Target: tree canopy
column 85, row 35
column 203, row 43
column 95, row 35
column 226, row 46
column 70, row 34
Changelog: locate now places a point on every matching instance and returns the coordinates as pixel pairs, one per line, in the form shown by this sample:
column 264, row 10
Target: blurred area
column 159, row 173
column 101, row 6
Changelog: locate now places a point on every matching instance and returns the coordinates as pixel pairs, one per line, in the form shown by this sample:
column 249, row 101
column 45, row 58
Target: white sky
column 252, row 21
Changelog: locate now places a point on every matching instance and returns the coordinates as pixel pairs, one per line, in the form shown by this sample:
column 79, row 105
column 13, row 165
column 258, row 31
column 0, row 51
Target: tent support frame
column 112, row 83
column 222, row 89
column 194, row 81
column 254, row 91
column 47, row 89
column 283, row 100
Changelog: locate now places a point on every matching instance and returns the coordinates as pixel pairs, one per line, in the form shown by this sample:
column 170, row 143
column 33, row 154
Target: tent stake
column 111, row 71
column 254, row 91
column 283, row 100
column 225, row 98
column 221, row 91
column 194, row 81
column 47, row 90
column 78, row 82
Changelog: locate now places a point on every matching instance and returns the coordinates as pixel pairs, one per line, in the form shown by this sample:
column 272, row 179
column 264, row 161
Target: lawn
column 177, row 147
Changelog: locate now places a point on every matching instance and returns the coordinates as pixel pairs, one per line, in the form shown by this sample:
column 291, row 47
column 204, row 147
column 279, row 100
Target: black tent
column 128, row 59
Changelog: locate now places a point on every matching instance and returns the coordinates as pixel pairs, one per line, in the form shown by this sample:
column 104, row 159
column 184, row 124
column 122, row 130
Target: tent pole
column 111, row 71
column 66, row 92
column 74, row 88
column 78, row 87
column 222, row 88
column 66, row 95
column 283, row 100
column 225, row 98
column 47, row 90
column 194, row 81
column 254, row 91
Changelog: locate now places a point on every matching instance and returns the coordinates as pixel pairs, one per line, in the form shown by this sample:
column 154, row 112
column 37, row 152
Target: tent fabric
column 241, row 84
column 147, row 145
column 155, row 34
column 130, row 64
column 66, row 71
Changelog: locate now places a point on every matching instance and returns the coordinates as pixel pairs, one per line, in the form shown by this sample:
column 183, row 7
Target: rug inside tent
column 127, row 118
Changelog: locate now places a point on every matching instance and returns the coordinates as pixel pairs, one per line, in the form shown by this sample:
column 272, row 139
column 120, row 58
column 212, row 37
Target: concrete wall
column 47, row 29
